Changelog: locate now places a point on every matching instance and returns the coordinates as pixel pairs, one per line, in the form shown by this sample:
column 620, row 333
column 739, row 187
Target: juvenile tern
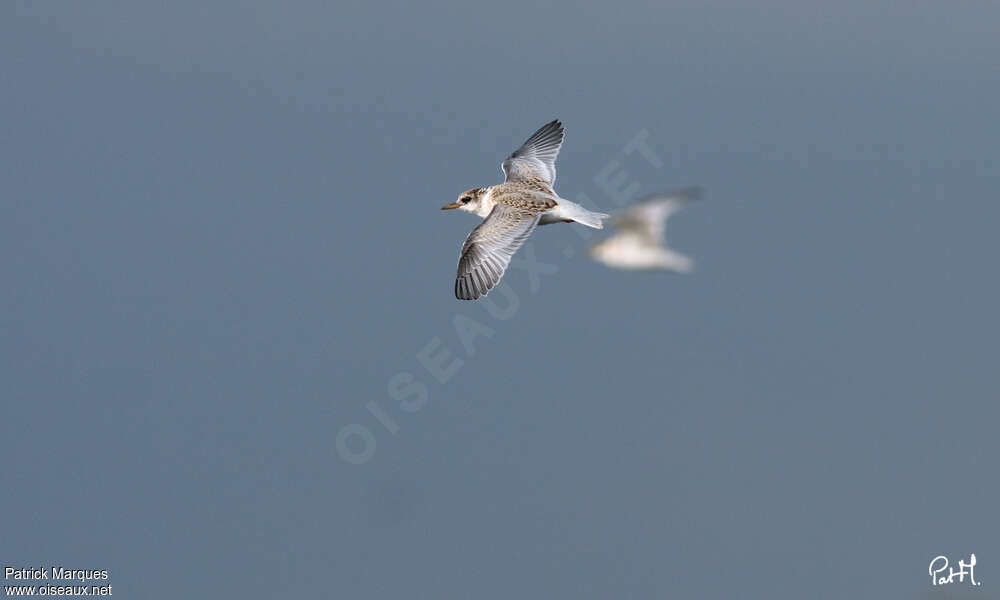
column 511, row 211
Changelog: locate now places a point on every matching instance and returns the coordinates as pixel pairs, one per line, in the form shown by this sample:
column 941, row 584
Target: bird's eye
column 466, row 199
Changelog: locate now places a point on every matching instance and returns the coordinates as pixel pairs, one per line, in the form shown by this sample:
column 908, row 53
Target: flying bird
column 638, row 241
column 511, row 211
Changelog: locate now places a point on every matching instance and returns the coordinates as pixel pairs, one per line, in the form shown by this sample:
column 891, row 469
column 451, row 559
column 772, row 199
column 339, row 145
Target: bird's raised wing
column 487, row 251
column 536, row 158
column 648, row 217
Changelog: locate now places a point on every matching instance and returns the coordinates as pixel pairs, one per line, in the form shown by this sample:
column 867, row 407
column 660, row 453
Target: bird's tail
column 575, row 212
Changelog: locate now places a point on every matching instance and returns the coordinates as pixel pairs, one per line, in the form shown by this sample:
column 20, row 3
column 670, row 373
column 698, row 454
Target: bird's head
column 469, row 200
column 601, row 250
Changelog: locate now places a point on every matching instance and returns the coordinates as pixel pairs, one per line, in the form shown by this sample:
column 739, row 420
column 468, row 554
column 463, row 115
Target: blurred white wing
column 649, row 216
column 536, row 158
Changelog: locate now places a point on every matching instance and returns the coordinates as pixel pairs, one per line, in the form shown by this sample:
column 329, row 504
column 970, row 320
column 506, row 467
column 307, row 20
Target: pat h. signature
column 939, row 565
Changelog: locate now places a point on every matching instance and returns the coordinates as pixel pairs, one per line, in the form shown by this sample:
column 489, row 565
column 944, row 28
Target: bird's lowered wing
column 488, row 249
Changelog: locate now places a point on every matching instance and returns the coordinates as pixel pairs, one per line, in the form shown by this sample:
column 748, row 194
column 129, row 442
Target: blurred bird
column 638, row 242
column 512, row 210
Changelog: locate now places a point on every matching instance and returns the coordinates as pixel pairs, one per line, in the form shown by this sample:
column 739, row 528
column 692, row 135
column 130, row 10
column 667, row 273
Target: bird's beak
column 450, row 206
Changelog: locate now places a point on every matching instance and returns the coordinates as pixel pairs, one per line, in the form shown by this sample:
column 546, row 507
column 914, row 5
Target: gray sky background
column 222, row 239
